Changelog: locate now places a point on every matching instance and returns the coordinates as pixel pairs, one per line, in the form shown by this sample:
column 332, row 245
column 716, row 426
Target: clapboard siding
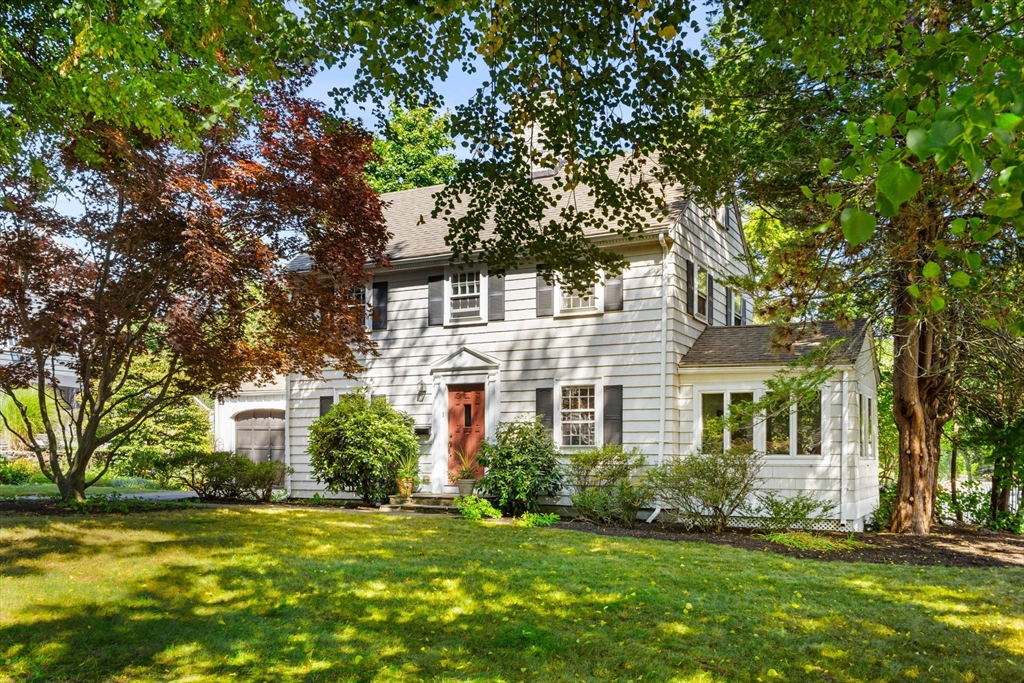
column 621, row 347
column 615, row 347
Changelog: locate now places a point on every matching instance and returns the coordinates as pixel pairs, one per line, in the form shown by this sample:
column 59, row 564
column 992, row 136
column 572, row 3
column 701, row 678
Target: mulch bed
column 946, row 546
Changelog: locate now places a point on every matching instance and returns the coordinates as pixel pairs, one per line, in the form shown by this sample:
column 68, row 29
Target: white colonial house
column 640, row 360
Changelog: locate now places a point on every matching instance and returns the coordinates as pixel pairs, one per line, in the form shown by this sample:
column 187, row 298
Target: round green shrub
column 520, row 465
column 359, row 445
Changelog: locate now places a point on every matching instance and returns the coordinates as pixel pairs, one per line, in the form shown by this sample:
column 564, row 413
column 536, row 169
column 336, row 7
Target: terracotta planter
column 466, row 486
column 405, row 486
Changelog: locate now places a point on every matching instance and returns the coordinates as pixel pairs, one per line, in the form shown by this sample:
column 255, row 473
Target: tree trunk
column 71, row 482
column 917, row 390
column 954, row 451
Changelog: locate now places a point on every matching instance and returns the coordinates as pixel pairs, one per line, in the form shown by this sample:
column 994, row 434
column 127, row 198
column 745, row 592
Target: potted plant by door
column 465, row 477
column 408, row 474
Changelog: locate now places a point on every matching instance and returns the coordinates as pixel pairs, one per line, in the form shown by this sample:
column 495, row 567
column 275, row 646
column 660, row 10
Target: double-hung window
column 465, row 296
column 737, row 308
column 578, row 415
column 578, row 300
column 702, row 292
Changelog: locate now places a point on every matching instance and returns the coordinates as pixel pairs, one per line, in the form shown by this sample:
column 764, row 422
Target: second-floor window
column 465, row 300
column 578, row 300
column 702, row 292
column 737, row 308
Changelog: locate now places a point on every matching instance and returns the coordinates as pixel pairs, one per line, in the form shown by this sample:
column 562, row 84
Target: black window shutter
column 711, row 300
column 613, row 294
column 325, row 404
column 380, row 306
column 613, row 415
column 495, row 297
column 691, row 290
column 435, row 300
column 745, row 314
column 546, row 407
column 728, row 306
column 545, row 297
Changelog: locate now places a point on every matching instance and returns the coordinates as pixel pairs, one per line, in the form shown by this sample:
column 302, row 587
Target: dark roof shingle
column 758, row 345
column 416, row 235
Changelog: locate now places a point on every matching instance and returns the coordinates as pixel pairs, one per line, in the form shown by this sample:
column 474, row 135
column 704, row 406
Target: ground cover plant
column 209, row 595
column 804, row 540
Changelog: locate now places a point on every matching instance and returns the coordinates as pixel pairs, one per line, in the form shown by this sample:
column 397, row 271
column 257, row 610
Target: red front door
column 465, row 423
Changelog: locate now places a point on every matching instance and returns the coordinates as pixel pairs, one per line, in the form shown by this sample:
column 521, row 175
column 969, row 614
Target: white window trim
column 449, row 321
column 760, row 430
column 598, row 385
column 368, row 303
column 708, row 314
column 597, row 309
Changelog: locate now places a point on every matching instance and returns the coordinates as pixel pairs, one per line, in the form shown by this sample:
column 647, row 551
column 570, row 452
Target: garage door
column 259, row 435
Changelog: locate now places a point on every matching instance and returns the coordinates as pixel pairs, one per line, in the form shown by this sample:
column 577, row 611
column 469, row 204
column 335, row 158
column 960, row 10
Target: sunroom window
column 741, row 420
column 465, row 300
column 777, row 426
column 712, row 413
column 808, row 426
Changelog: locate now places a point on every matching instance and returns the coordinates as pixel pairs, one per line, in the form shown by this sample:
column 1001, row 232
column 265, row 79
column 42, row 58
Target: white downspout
column 842, row 451
column 288, row 431
column 664, row 362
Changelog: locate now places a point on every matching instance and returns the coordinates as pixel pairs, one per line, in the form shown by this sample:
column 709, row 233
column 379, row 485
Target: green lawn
column 269, row 594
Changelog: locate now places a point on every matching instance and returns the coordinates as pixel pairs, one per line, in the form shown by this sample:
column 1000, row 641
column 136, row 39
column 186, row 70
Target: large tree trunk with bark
column 920, row 377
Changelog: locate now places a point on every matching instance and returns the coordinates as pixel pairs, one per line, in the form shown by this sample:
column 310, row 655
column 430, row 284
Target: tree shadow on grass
column 322, row 597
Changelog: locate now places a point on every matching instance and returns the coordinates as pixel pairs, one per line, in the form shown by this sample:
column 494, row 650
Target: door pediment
column 465, row 359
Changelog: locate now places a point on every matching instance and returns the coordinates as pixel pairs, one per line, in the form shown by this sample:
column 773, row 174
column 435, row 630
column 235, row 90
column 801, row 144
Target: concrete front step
column 421, row 509
column 426, row 503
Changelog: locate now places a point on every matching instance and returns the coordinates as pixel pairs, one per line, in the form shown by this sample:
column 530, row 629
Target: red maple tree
column 180, row 256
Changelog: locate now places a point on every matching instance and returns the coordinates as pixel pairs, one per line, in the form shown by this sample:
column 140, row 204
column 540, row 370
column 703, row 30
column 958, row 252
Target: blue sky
column 456, row 90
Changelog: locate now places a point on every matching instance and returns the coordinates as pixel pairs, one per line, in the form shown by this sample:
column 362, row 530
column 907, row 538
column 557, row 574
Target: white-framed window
column 569, row 301
column 870, row 418
column 466, row 291
column 717, row 407
column 785, row 428
column 578, row 415
column 737, row 308
column 577, row 300
column 465, row 296
column 778, row 426
column 702, row 293
column 358, row 298
column 808, row 425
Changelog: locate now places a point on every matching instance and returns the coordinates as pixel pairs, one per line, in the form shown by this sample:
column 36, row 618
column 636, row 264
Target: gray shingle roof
column 759, row 345
column 416, row 235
